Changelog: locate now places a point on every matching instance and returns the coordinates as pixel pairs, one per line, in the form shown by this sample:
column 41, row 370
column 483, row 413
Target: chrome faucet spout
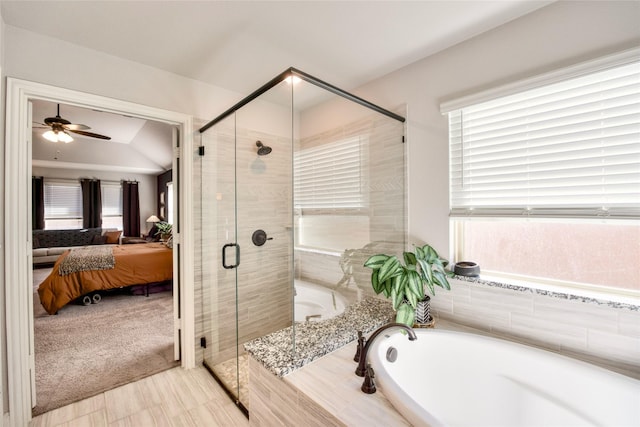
column 362, row 363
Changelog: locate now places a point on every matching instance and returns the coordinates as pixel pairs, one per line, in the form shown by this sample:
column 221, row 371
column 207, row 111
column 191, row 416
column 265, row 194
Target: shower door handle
column 224, row 255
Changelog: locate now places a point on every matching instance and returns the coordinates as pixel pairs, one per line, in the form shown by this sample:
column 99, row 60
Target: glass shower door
column 247, row 233
column 220, row 254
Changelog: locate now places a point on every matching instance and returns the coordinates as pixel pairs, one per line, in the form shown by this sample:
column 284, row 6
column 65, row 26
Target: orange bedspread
column 135, row 265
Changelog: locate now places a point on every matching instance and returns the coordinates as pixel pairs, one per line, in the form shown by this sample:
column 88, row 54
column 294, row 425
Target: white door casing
column 17, row 226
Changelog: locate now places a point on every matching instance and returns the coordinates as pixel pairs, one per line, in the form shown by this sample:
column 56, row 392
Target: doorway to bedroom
column 113, row 180
column 20, row 302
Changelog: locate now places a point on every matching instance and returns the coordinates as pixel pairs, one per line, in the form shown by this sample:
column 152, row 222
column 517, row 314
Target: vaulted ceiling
column 239, row 45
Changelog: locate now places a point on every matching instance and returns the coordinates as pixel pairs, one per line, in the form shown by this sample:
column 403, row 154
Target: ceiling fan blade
column 91, row 134
column 76, row 126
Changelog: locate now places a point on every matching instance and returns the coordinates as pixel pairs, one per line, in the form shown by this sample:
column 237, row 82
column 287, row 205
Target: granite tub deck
column 326, row 392
column 316, row 339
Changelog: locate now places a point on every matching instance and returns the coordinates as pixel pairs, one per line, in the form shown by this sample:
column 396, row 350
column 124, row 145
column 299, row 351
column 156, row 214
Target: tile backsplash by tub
column 594, row 330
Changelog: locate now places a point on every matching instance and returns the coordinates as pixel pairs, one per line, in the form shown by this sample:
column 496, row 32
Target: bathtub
column 313, row 303
column 447, row 378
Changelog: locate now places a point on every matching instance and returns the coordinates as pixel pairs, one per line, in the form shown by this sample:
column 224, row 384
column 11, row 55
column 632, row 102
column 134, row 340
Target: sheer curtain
column 130, row 209
column 91, row 203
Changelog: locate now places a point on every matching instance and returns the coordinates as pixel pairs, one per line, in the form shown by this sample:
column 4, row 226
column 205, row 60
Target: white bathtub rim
column 417, row 415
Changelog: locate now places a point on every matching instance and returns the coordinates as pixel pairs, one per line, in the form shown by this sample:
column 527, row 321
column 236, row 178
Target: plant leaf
column 387, row 288
column 430, row 253
column 409, row 258
column 442, row 280
column 427, row 271
column 375, row 283
column 412, row 298
column 405, row 314
column 415, row 284
column 376, row 261
column 388, row 269
column 396, row 292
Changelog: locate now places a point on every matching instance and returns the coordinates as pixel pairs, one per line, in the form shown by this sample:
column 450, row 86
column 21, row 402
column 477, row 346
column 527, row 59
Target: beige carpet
column 86, row 350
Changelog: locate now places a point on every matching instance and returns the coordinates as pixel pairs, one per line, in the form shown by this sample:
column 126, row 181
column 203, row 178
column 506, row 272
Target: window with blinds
column 329, row 176
column 111, row 205
column 62, row 204
column 535, row 167
column 567, row 149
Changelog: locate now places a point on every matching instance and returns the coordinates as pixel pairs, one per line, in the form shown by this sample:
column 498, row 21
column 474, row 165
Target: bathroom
column 579, row 327
column 597, row 329
column 252, row 326
column 504, row 308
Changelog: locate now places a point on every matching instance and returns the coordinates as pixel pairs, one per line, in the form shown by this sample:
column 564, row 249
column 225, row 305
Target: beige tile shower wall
column 384, row 181
column 264, row 202
column 261, row 200
column 601, row 333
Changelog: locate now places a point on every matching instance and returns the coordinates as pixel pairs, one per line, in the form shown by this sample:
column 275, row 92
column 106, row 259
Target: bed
column 93, row 271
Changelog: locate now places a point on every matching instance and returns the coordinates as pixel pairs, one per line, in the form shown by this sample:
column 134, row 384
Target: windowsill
column 584, row 295
column 318, row 251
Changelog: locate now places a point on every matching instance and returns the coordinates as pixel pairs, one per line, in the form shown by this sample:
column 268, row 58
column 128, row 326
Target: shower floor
column 226, row 372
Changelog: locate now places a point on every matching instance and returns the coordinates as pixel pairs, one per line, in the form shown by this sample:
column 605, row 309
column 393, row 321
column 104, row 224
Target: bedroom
column 138, row 153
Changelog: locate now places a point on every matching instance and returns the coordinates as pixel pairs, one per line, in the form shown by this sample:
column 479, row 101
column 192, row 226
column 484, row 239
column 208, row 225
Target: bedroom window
column 328, row 192
column 111, row 205
column 545, row 182
column 62, row 205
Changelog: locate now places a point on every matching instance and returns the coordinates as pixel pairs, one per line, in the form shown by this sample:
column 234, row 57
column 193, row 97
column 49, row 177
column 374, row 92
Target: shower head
column 263, row 150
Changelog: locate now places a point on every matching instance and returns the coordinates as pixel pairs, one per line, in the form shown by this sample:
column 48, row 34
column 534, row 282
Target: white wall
column 94, row 72
column 558, row 35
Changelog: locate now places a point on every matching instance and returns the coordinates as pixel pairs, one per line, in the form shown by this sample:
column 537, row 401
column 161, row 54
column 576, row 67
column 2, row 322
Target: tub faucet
column 361, row 370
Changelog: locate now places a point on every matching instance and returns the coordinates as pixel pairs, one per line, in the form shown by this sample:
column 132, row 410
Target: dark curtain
column 91, row 203
column 130, row 209
column 37, row 203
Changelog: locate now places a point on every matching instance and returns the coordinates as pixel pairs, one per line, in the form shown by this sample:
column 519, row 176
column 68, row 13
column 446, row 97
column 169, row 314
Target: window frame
column 544, row 284
column 104, row 185
column 51, row 220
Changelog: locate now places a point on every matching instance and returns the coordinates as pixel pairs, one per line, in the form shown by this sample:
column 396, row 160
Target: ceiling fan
column 60, row 129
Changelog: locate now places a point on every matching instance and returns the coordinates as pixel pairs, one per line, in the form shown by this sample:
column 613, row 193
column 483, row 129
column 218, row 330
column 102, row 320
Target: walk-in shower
column 284, row 236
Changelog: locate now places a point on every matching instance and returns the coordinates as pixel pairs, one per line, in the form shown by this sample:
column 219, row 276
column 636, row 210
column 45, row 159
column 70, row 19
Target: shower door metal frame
column 294, row 72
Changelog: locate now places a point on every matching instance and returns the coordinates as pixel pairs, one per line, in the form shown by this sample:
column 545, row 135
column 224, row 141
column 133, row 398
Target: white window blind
column 570, row 149
column 111, row 199
column 329, row 176
column 62, row 200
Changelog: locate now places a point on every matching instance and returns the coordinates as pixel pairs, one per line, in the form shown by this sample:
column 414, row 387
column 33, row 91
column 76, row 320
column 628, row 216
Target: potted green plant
column 164, row 230
column 405, row 283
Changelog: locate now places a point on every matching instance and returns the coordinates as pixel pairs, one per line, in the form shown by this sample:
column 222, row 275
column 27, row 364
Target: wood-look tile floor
column 177, row 397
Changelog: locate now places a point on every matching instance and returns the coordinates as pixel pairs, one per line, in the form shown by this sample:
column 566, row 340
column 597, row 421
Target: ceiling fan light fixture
column 64, row 137
column 50, row 136
column 57, row 136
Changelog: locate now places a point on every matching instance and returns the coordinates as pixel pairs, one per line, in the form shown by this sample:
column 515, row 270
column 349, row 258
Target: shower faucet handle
column 259, row 237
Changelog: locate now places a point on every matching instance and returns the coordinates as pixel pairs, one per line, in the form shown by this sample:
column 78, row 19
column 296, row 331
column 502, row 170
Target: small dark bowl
column 467, row 268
